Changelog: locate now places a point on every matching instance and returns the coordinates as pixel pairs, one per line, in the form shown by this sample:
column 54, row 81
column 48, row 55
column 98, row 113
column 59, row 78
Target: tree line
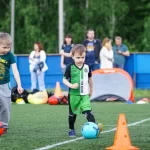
column 37, row 20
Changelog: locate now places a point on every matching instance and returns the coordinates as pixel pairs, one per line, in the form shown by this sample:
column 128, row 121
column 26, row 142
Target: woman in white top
column 38, row 66
column 106, row 54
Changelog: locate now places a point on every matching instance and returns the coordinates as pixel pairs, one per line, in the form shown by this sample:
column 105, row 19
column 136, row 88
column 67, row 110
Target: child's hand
column 20, row 90
column 75, row 86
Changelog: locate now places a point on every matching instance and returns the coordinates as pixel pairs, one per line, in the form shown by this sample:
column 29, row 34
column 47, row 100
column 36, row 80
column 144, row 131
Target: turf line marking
column 80, row 138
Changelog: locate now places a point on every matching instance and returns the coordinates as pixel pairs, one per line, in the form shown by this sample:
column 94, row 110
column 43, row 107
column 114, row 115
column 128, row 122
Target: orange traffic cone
column 122, row 138
column 58, row 92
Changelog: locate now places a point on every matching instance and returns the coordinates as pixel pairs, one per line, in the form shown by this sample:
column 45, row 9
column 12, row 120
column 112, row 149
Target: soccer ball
column 1, row 128
column 90, row 130
column 53, row 100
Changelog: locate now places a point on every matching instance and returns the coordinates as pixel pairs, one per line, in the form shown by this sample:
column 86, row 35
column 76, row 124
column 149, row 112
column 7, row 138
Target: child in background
column 7, row 59
column 106, row 54
column 78, row 78
column 66, row 58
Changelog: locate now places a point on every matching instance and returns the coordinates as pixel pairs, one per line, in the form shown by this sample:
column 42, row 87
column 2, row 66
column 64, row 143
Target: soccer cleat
column 101, row 127
column 72, row 133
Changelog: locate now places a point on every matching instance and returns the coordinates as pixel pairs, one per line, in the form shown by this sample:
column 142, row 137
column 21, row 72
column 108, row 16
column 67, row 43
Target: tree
column 38, row 21
column 146, row 36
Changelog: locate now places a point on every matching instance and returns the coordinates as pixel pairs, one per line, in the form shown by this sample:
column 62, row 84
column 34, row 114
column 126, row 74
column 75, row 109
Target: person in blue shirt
column 120, row 53
column 93, row 47
column 66, row 57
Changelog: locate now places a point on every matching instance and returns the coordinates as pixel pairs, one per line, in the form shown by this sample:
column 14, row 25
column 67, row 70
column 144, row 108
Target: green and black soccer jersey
column 5, row 62
column 80, row 76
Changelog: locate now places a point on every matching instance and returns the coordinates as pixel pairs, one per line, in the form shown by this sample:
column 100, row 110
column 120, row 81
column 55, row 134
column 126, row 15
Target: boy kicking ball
column 78, row 78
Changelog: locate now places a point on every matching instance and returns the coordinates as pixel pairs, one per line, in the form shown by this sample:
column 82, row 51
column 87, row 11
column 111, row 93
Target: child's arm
column 67, row 76
column 17, row 78
column 90, row 86
column 72, row 86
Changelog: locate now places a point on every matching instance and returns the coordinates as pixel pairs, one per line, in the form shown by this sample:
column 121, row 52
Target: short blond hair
column 5, row 38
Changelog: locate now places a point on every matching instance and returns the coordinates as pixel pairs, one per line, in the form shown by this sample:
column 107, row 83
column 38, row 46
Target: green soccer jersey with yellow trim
column 80, row 76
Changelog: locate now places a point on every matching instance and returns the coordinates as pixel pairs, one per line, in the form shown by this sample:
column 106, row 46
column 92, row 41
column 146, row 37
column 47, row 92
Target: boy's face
column 79, row 59
column 4, row 48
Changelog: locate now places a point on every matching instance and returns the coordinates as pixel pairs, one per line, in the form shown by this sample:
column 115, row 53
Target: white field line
column 80, row 138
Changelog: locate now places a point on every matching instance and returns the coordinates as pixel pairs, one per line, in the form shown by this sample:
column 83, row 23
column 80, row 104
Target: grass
column 141, row 93
column 35, row 126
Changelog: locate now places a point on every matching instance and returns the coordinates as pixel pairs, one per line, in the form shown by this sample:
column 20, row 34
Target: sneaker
column 101, row 127
column 72, row 133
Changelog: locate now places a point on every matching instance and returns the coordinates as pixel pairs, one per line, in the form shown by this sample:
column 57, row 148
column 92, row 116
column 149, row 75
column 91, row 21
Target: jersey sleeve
column 90, row 72
column 12, row 58
column 67, row 74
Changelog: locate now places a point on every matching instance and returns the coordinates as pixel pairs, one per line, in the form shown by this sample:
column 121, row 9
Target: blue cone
column 129, row 102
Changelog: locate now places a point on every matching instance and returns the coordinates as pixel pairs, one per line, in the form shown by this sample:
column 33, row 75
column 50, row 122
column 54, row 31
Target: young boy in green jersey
column 78, row 78
column 7, row 59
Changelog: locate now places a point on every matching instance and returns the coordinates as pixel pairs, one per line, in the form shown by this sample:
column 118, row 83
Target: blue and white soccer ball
column 90, row 130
